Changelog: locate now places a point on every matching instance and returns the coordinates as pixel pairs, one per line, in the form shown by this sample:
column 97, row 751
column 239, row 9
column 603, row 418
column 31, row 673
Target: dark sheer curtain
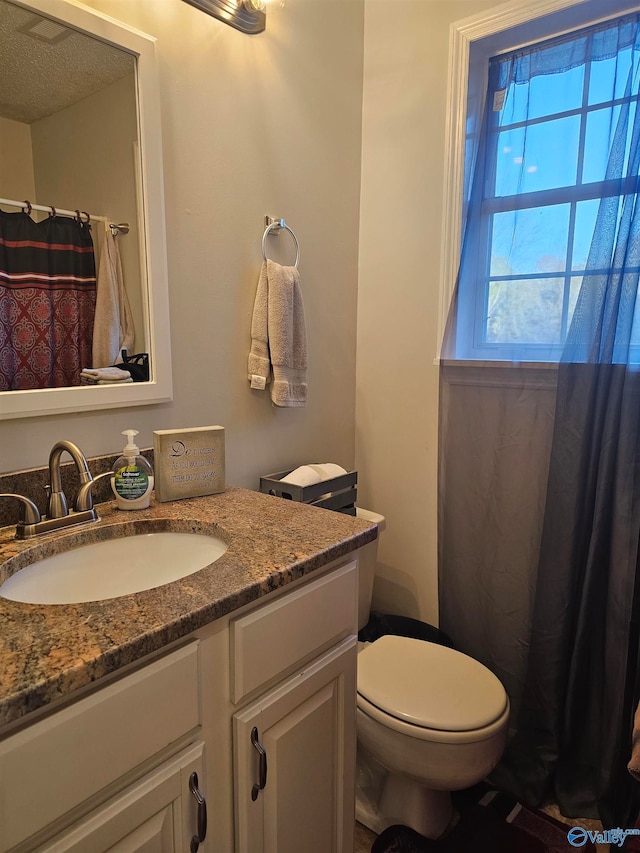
column 47, row 301
column 556, row 612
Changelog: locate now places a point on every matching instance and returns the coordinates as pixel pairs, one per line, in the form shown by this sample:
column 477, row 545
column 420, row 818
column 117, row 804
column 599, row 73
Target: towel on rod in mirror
column 278, row 352
column 113, row 328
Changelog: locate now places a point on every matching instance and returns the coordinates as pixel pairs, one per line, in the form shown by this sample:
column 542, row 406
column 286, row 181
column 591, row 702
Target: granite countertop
column 48, row 651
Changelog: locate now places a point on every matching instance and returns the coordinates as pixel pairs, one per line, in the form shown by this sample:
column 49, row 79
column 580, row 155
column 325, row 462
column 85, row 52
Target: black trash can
column 381, row 624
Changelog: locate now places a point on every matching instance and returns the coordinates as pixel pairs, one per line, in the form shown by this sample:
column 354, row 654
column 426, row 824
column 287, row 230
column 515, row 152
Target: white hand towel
column 305, row 475
column 113, row 382
column 259, row 361
column 105, row 374
column 278, row 336
column 113, row 328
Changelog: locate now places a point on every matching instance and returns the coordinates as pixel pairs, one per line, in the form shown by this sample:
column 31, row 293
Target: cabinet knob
column 202, row 813
column 262, row 755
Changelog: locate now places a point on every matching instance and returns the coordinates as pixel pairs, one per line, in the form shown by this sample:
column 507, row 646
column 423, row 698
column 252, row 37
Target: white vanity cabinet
column 115, row 764
column 114, row 769
column 155, row 814
column 294, row 775
column 294, row 746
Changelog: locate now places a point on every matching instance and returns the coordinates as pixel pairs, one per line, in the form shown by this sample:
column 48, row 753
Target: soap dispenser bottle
column 132, row 480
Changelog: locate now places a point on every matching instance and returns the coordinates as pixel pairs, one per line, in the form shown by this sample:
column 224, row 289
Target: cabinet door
column 158, row 814
column 306, row 727
column 75, row 753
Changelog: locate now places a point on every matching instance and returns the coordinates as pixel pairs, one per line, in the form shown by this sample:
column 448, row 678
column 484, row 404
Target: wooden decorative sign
column 188, row 463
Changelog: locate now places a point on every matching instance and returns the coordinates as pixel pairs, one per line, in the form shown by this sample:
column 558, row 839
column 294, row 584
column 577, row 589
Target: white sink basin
column 113, row 568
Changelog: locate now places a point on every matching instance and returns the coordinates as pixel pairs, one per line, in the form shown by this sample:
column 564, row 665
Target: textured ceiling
column 39, row 78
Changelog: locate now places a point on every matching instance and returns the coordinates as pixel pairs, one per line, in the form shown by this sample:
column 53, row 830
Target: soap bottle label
column 131, row 483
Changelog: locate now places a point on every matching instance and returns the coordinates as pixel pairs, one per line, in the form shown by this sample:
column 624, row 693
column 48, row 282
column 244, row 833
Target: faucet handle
column 56, row 503
column 29, row 512
column 84, row 498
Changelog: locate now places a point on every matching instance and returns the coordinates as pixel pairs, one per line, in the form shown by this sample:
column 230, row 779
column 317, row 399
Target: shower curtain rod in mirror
column 27, row 206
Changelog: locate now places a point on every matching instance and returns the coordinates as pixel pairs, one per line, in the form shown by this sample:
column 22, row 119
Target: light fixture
column 245, row 15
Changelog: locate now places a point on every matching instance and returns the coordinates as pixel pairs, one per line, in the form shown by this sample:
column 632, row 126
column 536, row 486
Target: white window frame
column 471, row 42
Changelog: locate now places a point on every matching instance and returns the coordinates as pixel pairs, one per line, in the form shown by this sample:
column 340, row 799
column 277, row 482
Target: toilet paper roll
column 328, row 470
column 305, row 475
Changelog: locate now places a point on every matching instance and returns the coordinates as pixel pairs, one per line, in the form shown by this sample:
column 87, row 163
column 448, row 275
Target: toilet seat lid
column 429, row 685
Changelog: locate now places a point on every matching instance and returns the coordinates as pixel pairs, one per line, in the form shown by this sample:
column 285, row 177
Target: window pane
column 538, row 157
column 530, row 241
column 543, row 95
column 601, row 127
column 576, row 284
column 635, row 329
column 574, row 290
column 609, row 77
column 585, row 226
column 525, row 311
column 586, row 212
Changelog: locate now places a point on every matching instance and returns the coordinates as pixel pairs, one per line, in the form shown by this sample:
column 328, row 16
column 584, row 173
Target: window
column 555, row 113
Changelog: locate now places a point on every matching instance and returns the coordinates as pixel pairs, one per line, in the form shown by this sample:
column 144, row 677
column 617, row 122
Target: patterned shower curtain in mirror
column 47, row 301
column 539, row 491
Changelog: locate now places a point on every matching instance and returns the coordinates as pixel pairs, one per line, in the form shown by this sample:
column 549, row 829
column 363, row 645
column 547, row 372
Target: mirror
column 80, row 130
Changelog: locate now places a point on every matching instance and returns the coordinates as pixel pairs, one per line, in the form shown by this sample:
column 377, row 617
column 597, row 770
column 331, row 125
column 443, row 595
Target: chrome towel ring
column 276, row 225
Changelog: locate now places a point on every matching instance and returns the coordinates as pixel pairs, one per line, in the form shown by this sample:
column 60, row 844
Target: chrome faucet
column 57, row 502
column 83, row 503
column 58, row 515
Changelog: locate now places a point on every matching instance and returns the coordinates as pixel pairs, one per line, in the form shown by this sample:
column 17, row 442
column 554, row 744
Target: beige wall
column 84, row 158
column 269, row 124
column 16, row 161
column 405, row 90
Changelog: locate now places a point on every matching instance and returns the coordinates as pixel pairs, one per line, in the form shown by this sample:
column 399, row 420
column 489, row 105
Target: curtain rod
column 27, row 206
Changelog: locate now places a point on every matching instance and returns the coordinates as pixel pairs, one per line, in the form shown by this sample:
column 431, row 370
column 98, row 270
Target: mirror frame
column 159, row 389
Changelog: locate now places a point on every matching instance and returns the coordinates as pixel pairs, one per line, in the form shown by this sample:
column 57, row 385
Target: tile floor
column 554, row 811
column 364, row 838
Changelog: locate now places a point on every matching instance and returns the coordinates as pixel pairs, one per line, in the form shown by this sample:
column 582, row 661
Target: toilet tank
column 367, row 556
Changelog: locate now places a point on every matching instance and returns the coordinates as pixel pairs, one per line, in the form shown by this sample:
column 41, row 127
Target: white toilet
column 430, row 720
